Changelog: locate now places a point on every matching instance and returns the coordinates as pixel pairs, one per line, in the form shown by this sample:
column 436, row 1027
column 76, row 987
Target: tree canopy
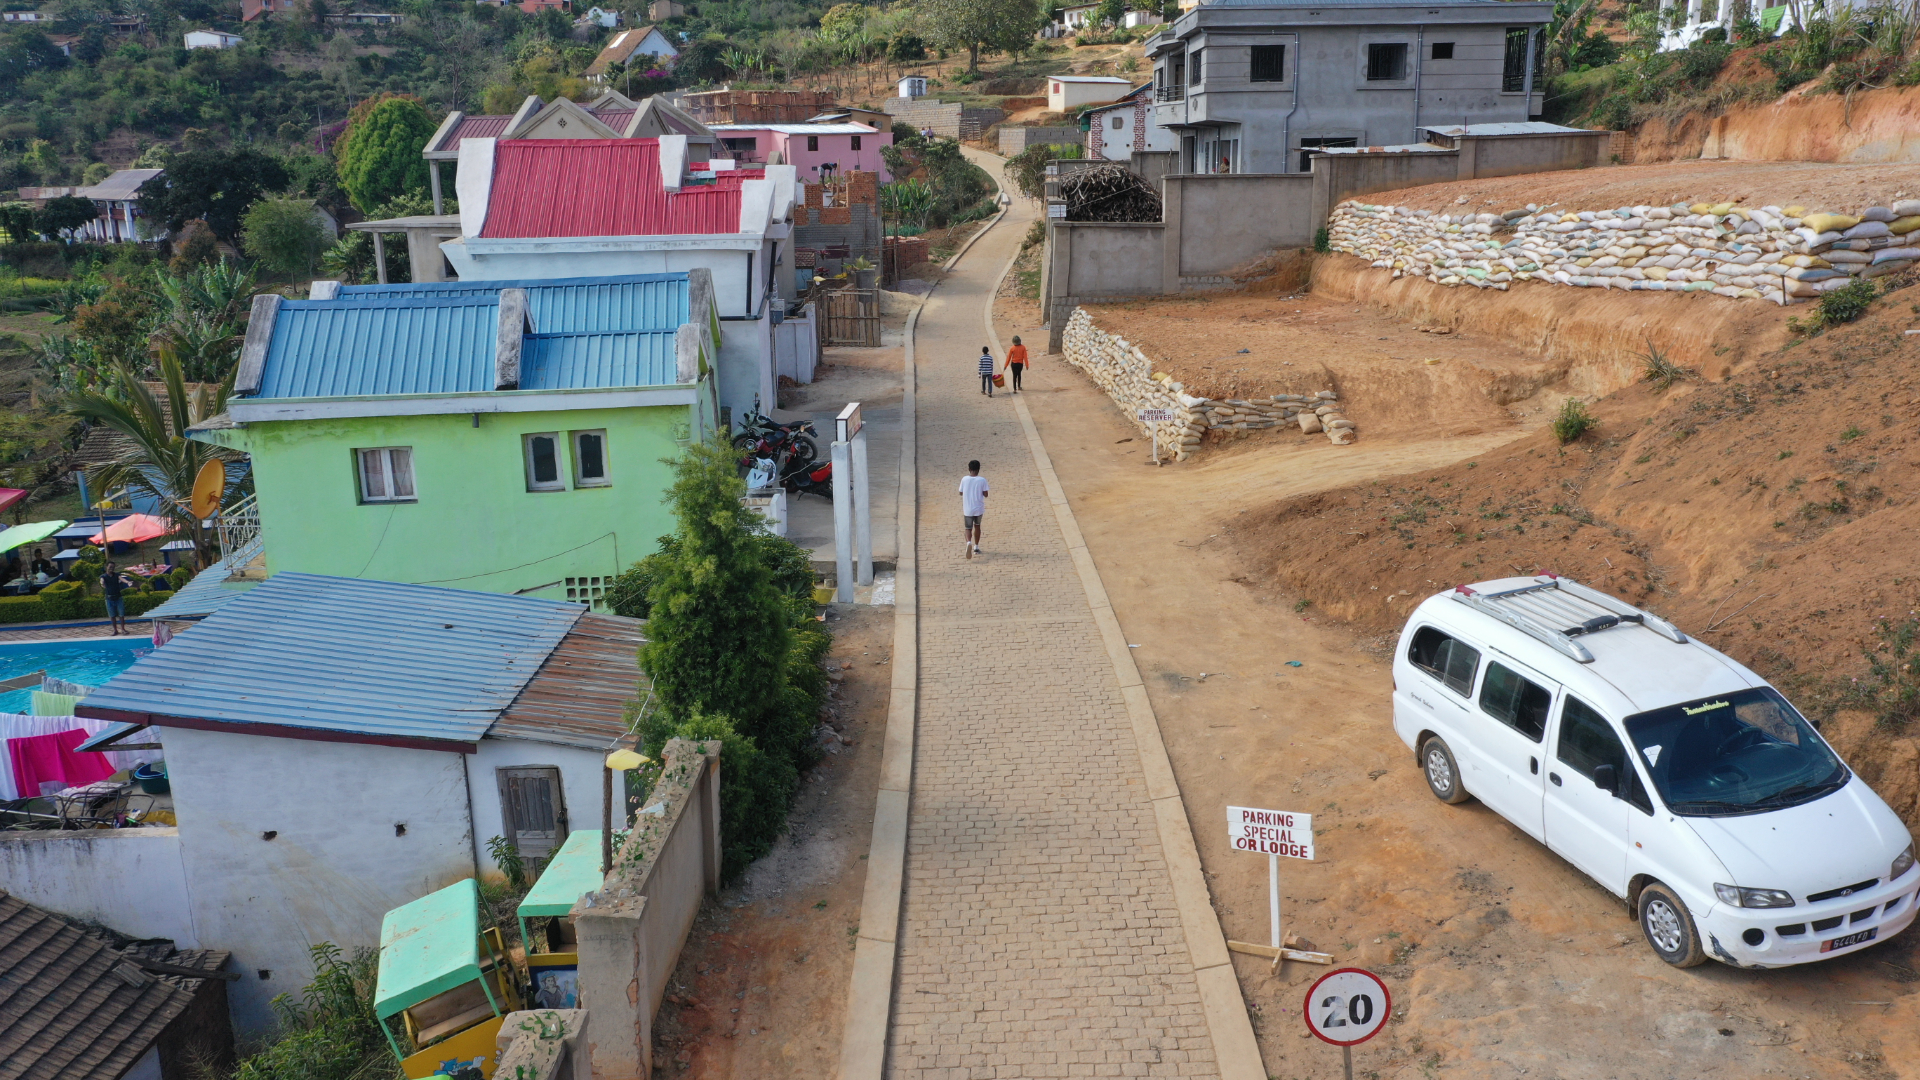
column 379, row 158
column 975, row 25
column 65, row 214
column 286, row 234
column 217, row 185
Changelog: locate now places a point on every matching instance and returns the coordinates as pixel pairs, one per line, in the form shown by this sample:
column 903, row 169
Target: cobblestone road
column 1039, row 935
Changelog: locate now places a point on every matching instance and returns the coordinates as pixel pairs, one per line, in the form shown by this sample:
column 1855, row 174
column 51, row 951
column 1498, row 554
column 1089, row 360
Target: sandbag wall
column 1777, row 254
column 1129, row 378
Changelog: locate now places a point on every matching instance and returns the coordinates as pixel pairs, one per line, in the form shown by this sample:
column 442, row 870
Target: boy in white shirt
column 973, row 506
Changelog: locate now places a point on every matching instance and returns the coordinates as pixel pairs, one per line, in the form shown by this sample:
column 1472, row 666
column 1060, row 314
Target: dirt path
column 758, row 990
column 1504, row 961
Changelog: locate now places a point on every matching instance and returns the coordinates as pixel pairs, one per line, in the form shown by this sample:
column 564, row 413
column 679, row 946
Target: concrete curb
column 1236, row 1050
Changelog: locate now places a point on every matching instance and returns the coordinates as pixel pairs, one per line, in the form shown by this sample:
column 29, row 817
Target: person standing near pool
column 113, row 584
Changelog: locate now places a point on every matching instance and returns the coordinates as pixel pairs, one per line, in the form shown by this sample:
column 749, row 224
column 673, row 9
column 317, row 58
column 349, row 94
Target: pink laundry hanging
column 39, row 760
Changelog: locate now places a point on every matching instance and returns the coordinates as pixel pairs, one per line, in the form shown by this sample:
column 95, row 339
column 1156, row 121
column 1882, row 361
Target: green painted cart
column 447, row 983
column 573, row 872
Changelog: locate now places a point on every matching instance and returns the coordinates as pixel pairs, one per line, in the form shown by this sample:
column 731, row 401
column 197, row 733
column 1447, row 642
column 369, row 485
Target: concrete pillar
column 863, row 512
column 423, row 253
column 544, row 1044
column 842, row 458
column 433, row 174
column 1469, row 150
column 614, row 976
column 380, row 258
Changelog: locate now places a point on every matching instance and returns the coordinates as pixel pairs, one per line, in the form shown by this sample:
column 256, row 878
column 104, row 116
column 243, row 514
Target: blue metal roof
column 402, row 346
column 367, row 660
column 563, row 305
column 585, row 361
column 209, row 591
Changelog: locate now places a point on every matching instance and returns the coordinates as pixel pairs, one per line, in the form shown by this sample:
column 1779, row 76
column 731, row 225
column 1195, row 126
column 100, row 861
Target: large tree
column 976, row 25
column 380, row 155
column 286, row 234
column 65, row 215
column 218, row 185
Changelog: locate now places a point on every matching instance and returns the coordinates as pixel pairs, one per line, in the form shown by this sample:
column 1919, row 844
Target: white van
column 1731, row 828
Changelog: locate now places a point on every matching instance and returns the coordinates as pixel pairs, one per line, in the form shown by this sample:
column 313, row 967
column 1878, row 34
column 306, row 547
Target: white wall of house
column 335, row 865
column 579, row 785
column 129, row 879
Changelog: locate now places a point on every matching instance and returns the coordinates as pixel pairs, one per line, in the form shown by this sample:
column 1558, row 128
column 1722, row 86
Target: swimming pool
column 87, row 661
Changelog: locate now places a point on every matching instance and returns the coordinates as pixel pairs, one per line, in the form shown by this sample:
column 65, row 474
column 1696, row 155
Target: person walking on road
column 986, row 371
column 1016, row 362
column 973, row 506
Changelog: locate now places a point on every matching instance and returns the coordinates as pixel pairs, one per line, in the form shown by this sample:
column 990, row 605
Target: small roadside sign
column 849, row 422
column 1057, row 210
column 1346, row 1007
column 1155, row 416
column 1271, row 832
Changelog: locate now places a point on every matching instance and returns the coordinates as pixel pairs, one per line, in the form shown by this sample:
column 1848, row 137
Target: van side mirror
column 1607, row 779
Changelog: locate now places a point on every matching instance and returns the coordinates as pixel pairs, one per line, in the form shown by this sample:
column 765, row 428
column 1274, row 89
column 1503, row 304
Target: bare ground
column 1504, row 961
column 1815, row 185
column 759, row 990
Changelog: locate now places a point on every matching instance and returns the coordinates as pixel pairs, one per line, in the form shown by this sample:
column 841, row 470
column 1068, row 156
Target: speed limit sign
column 1348, row 1006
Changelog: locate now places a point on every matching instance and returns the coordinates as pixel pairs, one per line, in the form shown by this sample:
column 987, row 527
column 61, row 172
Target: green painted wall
column 474, row 524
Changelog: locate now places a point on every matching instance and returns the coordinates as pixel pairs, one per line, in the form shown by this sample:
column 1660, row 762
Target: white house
column 1141, row 18
column 626, row 46
column 25, row 16
column 656, row 210
column 600, row 17
column 1067, row 93
column 336, row 748
column 212, row 39
column 1078, row 16
column 913, row 86
column 1115, row 131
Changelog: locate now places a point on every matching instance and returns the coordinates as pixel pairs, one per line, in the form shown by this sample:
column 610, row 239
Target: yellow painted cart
column 444, row 984
column 573, row 872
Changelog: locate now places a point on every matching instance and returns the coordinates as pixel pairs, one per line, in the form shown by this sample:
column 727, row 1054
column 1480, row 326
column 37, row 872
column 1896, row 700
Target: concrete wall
column 1015, row 139
column 579, row 786
column 1343, row 176
column 335, row 864
column 632, row 929
column 129, row 879
column 1094, row 260
column 1509, row 155
column 1223, row 222
column 469, row 480
column 746, row 367
column 949, row 121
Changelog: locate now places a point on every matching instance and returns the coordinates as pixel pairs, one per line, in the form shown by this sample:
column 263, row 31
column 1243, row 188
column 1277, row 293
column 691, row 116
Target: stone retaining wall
column 1129, row 378
column 1776, row 254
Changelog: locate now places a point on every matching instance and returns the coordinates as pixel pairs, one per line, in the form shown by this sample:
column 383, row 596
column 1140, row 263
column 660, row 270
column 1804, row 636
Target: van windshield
column 1741, row 753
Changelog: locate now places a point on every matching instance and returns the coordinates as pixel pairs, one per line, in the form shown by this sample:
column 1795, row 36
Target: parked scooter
column 809, row 478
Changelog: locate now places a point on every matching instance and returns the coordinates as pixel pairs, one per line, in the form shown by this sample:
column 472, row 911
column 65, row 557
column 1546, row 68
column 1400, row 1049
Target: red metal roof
column 477, row 127
column 597, row 187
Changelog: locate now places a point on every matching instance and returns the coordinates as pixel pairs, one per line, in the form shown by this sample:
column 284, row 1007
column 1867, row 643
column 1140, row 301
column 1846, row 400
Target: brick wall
column 852, row 222
column 947, row 120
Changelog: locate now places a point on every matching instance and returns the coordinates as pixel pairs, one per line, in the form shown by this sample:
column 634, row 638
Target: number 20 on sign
column 1347, row 1007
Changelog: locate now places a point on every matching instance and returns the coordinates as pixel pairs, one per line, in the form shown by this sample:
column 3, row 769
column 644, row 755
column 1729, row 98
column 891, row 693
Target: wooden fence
column 853, row 318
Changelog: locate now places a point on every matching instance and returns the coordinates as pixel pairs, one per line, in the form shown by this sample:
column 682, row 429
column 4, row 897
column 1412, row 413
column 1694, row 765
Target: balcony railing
column 1170, row 93
column 238, row 525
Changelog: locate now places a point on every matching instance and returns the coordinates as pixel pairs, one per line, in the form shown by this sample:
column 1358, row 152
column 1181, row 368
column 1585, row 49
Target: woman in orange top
column 1017, row 362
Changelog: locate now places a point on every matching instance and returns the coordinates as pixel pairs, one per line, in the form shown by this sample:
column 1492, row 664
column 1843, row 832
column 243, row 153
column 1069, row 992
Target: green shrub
column 1702, row 60
column 1892, row 688
column 1615, row 112
column 1845, row 304
column 755, row 787
column 1322, row 240
column 1574, row 421
column 65, row 600
column 180, row 576
column 332, row 1032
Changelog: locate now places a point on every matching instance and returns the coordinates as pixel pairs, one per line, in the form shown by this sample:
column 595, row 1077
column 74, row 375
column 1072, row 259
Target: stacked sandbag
column 1778, row 254
column 1127, row 376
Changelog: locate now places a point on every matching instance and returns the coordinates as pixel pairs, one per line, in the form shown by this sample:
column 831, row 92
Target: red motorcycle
column 809, row 478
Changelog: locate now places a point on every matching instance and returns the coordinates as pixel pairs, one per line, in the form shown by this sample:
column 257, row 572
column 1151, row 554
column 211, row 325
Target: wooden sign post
column 1274, row 833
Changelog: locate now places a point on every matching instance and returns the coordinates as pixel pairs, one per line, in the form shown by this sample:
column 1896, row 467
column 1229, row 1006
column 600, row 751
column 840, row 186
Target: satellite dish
column 208, row 485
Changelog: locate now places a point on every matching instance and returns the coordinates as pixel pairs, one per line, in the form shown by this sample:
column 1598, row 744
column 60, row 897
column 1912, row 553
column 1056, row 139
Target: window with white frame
column 386, row 474
column 590, row 459
column 543, row 461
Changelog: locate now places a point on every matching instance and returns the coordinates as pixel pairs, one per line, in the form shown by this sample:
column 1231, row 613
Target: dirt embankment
column 1771, row 513
column 1875, row 126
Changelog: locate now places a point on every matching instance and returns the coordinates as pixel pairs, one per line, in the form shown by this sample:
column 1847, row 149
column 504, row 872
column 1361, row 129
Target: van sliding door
column 1509, row 734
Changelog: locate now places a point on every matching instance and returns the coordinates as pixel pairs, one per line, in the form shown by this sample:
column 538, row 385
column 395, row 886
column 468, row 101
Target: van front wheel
column 1669, row 928
column 1443, row 773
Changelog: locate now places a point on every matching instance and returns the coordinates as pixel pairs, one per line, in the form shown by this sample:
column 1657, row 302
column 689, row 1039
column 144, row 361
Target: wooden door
column 533, row 810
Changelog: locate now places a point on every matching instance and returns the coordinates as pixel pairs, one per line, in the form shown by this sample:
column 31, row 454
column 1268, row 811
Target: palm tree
column 159, row 460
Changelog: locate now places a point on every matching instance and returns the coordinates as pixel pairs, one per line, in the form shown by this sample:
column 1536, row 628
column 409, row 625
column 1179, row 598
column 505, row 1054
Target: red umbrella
column 133, row 529
column 9, row 496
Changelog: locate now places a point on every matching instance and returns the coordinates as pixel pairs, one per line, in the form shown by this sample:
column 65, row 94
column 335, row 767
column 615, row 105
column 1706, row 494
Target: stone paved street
column 1039, row 935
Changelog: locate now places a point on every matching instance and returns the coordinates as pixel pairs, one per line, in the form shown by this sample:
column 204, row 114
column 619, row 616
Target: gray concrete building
column 1253, row 86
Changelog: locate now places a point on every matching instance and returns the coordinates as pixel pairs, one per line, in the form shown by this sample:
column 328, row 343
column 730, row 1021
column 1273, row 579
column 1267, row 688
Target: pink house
column 815, row 150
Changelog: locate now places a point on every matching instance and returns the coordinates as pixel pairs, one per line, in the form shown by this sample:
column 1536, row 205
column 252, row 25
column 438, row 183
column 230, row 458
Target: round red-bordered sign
column 1347, row 1006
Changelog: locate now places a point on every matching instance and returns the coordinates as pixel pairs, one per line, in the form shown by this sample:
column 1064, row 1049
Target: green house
column 502, row 436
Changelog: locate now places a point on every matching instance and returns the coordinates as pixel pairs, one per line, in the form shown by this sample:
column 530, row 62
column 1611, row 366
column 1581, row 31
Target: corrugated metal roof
column 579, row 696
column 476, row 127
column 597, row 187
column 1528, row 127
column 209, row 591
column 322, row 348
column 588, row 361
column 124, row 184
column 565, row 305
column 74, row 1007
column 361, row 660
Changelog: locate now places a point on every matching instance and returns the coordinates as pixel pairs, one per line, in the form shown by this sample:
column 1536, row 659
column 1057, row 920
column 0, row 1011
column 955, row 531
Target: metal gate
column 853, row 318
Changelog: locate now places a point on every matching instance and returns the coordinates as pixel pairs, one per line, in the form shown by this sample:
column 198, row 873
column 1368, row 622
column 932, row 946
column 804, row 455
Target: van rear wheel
column 1669, row 928
column 1442, row 772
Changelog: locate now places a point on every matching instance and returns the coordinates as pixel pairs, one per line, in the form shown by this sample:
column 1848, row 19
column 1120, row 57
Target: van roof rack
column 1556, row 610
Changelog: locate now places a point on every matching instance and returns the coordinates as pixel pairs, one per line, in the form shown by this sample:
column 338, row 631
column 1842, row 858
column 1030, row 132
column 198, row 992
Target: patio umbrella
column 9, row 496
column 132, row 529
column 29, row 533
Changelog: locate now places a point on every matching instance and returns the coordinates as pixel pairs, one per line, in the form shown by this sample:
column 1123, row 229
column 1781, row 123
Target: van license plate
column 1850, row 939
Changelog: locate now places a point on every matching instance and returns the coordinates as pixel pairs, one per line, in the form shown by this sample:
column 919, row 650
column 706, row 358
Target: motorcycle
column 808, row 478
column 764, row 438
